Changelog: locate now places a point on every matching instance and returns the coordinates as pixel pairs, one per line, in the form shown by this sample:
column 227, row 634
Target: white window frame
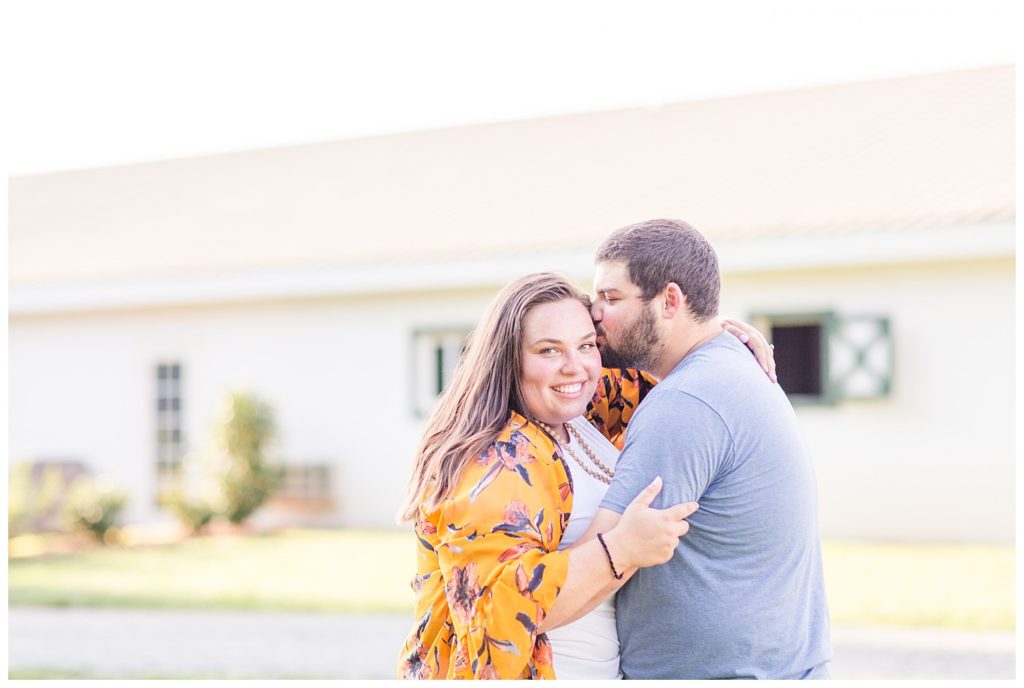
column 436, row 353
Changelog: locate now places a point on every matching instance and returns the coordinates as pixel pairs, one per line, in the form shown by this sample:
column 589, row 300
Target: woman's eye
column 587, row 347
column 549, row 350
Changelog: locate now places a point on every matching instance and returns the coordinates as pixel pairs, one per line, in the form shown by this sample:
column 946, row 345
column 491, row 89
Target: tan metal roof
column 914, row 152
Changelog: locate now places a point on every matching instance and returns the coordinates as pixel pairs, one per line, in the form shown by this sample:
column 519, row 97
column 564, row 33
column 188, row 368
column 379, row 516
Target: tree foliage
column 244, row 429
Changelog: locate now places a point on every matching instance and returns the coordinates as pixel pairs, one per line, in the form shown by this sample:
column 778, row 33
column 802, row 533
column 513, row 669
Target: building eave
column 776, row 254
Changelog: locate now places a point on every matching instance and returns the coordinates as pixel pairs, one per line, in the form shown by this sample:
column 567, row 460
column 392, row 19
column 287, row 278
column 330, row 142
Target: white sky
column 105, row 82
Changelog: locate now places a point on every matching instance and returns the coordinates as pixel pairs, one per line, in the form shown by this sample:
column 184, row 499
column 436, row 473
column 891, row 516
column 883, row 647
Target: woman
column 492, row 496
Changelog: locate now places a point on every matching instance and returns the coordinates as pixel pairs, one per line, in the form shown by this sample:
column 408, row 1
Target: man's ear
column 673, row 302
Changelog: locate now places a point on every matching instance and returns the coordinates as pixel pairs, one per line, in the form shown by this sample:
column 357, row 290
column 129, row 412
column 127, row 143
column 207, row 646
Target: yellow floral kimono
column 488, row 567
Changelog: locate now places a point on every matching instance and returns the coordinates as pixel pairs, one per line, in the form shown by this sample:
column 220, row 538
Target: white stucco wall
column 933, row 461
column 336, row 371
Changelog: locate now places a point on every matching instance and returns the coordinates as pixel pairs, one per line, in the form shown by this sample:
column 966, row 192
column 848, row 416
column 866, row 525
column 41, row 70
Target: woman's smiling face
column 560, row 361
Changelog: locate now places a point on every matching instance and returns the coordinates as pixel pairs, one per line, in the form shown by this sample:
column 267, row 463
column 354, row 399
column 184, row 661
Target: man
column 743, row 596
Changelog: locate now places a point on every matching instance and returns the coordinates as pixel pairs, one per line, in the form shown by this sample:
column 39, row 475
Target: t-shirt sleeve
column 677, row 436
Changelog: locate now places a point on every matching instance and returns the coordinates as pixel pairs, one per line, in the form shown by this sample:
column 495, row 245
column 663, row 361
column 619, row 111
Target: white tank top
column 588, row 648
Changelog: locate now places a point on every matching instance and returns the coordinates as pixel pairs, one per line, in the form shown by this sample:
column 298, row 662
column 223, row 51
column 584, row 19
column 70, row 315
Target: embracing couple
column 555, row 544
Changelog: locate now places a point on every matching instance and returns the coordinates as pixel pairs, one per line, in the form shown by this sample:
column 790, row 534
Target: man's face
column 627, row 328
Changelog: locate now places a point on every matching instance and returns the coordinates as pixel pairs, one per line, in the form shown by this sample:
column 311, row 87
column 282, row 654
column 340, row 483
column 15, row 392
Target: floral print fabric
column 488, row 569
column 617, row 396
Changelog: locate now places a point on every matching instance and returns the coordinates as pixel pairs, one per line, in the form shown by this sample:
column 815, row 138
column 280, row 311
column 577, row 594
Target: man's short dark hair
column 657, row 252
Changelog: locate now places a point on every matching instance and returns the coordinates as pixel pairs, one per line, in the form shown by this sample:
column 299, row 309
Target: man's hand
column 645, row 536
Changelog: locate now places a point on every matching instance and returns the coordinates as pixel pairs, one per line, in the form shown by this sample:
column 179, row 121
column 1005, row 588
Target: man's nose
column 596, row 310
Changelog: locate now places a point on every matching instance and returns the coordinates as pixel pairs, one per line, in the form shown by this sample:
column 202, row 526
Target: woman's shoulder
column 521, row 463
column 629, row 376
column 521, row 447
column 524, row 432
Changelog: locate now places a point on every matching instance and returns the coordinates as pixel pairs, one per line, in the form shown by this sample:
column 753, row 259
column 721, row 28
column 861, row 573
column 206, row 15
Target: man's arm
column 641, row 536
column 652, row 450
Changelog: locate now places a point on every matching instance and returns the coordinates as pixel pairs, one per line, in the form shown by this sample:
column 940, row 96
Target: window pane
column 798, row 358
column 168, row 436
column 436, row 356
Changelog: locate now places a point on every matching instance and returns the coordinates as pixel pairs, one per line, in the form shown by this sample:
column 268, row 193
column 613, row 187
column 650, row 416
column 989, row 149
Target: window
column 304, row 483
column 169, row 436
column 436, row 353
column 823, row 358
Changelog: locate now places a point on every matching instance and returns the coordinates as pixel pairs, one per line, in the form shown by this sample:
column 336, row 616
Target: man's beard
column 639, row 345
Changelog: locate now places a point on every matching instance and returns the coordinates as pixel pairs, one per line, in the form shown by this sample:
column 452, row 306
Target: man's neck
column 689, row 337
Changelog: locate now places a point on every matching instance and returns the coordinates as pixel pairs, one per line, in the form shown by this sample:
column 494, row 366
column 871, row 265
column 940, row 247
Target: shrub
column 95, row 505
column 194, row 499
column 29, row 500
column 192, row 512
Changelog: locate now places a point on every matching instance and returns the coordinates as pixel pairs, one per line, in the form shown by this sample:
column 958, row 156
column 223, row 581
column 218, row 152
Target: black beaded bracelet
column 600, row 538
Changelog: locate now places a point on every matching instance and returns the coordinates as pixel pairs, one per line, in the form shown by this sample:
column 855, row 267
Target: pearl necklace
column 606, row 474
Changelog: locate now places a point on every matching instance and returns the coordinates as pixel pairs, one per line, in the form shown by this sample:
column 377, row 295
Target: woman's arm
column 640, row 536
column 594, row 601
column 498, row 560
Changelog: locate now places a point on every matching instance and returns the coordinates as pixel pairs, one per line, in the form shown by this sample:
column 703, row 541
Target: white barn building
column 870, row 224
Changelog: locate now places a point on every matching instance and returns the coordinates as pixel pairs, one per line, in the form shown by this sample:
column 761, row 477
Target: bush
column 29, row 500
column 95, row 505
column 195, row 498
column 245, row 427
column 192, row 512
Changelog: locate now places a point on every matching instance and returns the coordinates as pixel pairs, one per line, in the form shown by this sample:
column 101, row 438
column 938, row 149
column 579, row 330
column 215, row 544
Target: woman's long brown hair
column 483, row 391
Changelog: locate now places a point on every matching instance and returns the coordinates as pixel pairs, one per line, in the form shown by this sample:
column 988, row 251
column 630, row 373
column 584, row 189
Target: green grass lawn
column 956, row 586
column 953, row 586
column 297, row 570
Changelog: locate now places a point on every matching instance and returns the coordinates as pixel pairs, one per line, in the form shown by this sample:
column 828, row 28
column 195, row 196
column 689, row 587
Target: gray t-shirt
column 744, row 595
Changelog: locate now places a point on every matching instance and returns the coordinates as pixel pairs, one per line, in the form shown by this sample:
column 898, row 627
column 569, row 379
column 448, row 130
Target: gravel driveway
column 106, row 643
